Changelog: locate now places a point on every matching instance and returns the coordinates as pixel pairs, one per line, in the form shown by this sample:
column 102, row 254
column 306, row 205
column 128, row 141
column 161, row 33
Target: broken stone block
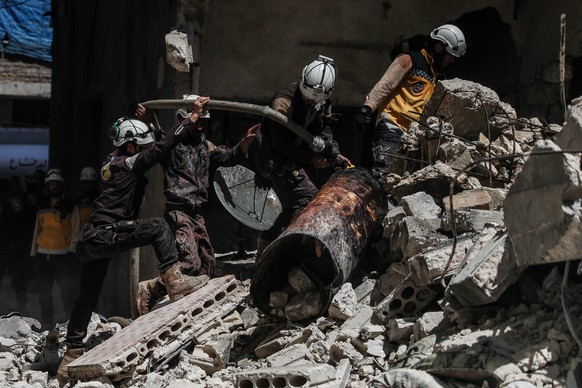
column 404, row 377
column 432, row 322
column 420, row 205
column 377, row 347
column 470, row 220
column 364, row 290
column 474, row 199
column 179, row 51
column 414, row 355
column 306, row 375
column 291, row 355
column 570, row 137
column 395, row 274
column 455, row 154
column 429, row 265
column 471, row 108
column 392, row 220
column 543, row 208
column 400, row 329
column 306, row 305
column 343, row 304
column 418, row 234
column 345, row 349
column 213, row 355
column 488, row 270
column 361, row 318
column 299, row 280
column 372, row 331
column 435, row 180
column 281, row 338
column 406, row 300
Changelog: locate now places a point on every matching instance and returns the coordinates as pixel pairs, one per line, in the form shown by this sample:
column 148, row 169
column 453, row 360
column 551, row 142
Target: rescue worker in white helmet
column 402, row 93
column 186, row 181
column 52, row 245
column 114, row 226
column 294, row 168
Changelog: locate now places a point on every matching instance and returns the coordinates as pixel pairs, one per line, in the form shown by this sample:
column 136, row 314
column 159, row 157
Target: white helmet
column 183, row 113
column 130, row 130
column 453, row 37
column 318, row 79
column 54, row 175
column 88, row 174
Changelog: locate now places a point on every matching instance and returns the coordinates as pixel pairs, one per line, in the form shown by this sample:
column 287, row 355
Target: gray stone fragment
column 178, row 51
column 420, row 205
column 306, row 305
column 344, row 303
column 543, row 208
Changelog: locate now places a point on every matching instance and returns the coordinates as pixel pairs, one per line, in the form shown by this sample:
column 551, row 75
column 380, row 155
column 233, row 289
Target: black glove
column 262, row 182
column 363, row 118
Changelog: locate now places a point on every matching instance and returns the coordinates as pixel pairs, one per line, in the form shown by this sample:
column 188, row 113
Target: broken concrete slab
column 306, row 375
column 179, row 51
column 417, row 234
column 488, row 270
column 435, row 180
column 471, row 108
column 429, row 265
column 456, row 154
column 543, row 208
column 405, row 300
column 570, row 137
column 343, row 305
column 431, row 322
column 470, row 220
column 152, row 337
column 420, row 205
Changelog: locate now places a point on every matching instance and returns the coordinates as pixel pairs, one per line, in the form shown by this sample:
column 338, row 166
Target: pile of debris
column 474, row 289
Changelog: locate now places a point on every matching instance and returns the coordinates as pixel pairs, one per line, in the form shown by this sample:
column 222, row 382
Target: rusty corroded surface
column 151, row 338
column 327, row 239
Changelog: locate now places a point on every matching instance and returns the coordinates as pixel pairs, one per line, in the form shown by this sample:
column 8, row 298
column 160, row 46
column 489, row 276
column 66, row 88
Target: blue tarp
column 28, row 26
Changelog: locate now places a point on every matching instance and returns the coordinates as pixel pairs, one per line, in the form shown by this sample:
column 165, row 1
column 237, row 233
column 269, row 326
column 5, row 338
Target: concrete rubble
column 466, row 286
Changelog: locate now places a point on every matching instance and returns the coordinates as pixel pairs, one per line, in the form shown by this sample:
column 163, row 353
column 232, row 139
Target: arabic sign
column 23, row 150
column 22, row 159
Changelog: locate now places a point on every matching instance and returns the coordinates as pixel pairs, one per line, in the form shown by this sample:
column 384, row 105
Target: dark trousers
column 62, row 270
column 295, row 190
column 195, row 251
column 95, row 248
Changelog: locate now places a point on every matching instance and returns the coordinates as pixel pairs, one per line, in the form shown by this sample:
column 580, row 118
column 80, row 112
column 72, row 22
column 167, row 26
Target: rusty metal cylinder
column 327, row 240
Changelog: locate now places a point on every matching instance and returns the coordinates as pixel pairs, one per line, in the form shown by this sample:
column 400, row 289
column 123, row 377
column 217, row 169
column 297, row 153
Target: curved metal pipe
column 242, row 107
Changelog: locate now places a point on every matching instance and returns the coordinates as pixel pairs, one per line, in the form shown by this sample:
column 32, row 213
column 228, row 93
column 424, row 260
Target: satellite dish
column 251, row 205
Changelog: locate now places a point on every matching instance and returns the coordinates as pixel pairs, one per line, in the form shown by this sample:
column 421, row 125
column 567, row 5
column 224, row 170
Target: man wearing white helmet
column 56, row 221
column 114, row 226
column 289, row 163
column 403, row 91
column 186, row 181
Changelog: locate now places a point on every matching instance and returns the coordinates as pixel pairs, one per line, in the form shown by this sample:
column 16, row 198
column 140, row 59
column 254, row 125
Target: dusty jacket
column 57, row 225
column 124, row 181
column 284, row 144
column 187, row 169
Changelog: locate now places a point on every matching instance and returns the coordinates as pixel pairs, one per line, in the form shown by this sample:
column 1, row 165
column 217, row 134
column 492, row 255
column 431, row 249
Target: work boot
column 149, row 293
column 179, row 285
column 70, row 356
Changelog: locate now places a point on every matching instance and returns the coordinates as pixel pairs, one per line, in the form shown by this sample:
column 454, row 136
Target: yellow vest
column 55, row 233
column 412, row 94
